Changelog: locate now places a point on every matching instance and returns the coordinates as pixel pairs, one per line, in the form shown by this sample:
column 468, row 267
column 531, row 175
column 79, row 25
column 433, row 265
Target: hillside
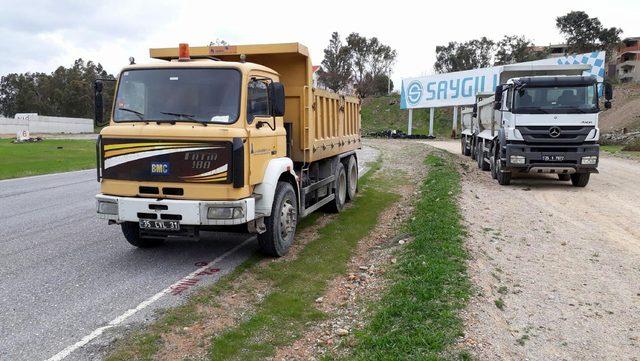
column 384, row 113
column 625, row 112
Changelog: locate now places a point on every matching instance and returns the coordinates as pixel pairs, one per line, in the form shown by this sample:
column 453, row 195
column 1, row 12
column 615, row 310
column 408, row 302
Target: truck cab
column 550, row 125
column 203, row 141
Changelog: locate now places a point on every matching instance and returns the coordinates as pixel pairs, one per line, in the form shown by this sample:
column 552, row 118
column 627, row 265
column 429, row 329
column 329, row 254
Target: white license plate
column 553, row 158
column 159, row 225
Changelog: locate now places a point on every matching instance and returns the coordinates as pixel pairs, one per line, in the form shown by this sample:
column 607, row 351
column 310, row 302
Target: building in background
column 628, row 61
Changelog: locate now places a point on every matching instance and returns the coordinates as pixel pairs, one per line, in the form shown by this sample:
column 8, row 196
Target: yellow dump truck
column 224, row 138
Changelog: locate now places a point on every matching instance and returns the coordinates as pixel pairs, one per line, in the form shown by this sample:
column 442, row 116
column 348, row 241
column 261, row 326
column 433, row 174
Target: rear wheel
column 473, row 150
column 480, row 157
column 352, row 178
column 131, row 232
column 580, row 179
column 564, row 177
column 465, row 150
column 281, row 225
column 340, row 185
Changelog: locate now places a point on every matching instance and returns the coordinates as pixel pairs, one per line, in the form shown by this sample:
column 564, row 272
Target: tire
column 504, row 179
column 494, row 174
column 340, row 184
column 580, row 179
column 466, row 151
column 564, row 177
column 462, row 146
column 473, row 150
column 480, row 158
column 281, row 225
column 131, row 231
column 352, row 178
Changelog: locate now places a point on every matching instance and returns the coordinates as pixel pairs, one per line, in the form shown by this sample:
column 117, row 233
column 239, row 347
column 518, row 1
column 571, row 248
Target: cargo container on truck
column 541, row 119
column 224, row 138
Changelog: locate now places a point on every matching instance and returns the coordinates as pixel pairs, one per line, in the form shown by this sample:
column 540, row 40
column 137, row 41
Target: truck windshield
column 178, row 95
column 571, row 99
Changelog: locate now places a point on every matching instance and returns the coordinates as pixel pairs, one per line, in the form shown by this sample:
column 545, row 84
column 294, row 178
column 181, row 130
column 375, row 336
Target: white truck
column 541, row 119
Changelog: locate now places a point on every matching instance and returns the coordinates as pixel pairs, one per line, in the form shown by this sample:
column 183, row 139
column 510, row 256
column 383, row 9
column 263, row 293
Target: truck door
column 260, row 125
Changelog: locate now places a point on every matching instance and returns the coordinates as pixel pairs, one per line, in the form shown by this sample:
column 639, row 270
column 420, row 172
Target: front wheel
column 281, row 225
column 504, row 178
column 580, row 179
column 131, row 232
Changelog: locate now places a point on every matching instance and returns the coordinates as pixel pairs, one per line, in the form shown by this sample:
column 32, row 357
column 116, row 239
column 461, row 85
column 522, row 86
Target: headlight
column 590, row 160
column 517, row 159
column 107, row 207
column 225, row 212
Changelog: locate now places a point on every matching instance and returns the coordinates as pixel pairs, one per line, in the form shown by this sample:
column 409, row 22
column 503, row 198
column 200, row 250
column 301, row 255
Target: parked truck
column 541, row 119
column 224, row 138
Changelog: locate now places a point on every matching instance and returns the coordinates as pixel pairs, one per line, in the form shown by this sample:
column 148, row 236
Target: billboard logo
column 414, row 92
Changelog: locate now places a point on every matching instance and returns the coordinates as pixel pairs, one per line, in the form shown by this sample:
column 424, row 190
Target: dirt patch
column 347, row 297
column 556, row 268
column 625, row 112
column 230, row 307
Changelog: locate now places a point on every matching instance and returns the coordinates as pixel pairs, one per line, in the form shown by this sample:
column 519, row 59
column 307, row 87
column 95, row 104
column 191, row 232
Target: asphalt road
column 69, row 283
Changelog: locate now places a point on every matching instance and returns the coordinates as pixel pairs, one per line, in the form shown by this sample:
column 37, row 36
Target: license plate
column 553, row 158
column 160, row 225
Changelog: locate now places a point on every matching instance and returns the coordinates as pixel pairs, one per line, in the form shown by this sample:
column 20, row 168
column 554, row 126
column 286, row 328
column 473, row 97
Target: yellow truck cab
column 224, row 138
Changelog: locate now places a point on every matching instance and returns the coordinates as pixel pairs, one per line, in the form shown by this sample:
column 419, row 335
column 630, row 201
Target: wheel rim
column 342, row 188
column 287, row 219
column 353, row 178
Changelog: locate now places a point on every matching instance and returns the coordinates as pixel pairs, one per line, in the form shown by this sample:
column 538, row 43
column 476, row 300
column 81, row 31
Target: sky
column 39, row 36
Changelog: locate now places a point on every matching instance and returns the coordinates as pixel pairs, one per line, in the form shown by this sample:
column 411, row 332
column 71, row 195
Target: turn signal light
column 183, row 52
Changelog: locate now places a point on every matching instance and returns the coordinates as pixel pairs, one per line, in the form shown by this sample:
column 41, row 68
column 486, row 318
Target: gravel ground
column 556, row 268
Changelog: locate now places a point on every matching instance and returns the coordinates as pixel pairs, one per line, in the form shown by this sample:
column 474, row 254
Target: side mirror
column 475, row 111
column 608, row 92
column 498, row 98
column 98, row 104
column 276, row 97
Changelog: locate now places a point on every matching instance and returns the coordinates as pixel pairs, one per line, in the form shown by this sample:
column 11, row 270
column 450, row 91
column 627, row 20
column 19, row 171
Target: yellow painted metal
column 324, row 124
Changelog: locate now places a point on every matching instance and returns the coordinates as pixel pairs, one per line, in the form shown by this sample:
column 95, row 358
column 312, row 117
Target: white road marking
column 144, row 304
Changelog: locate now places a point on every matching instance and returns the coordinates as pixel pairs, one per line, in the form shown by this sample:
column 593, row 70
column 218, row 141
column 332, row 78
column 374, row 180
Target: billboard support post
column 431, row 113
column 455, row 121
column 410, row 125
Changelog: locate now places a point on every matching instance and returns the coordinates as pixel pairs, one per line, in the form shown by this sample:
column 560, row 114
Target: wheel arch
column 277, row 170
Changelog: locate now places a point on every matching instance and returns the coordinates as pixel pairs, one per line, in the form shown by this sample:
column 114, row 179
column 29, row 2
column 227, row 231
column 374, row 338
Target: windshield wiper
column 139, row 114
column 184, row 115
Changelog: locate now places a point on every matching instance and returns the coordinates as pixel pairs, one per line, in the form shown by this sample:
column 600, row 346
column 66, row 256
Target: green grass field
column 619, row 150
column 48, row 156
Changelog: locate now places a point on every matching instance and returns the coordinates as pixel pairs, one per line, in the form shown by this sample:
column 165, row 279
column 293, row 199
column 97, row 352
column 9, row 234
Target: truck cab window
column 258, row 100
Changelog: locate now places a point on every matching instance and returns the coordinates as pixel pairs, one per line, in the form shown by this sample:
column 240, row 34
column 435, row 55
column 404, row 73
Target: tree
column 65, row 92
column 516, row 49
column 369, row 59
column 584, row 34
column 335, row 72
column 456, row 56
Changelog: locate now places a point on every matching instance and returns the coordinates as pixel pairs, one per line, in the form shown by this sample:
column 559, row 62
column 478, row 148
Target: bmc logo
column 160, row 168
column 414, row 92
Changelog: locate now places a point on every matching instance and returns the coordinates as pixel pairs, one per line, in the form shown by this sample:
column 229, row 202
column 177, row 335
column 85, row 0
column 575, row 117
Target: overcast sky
column 38, row 36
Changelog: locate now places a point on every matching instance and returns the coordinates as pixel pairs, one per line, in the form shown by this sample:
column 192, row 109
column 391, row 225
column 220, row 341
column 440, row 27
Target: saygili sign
column 460, row 88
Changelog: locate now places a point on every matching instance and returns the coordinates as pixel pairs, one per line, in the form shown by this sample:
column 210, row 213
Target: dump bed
column 322, row 123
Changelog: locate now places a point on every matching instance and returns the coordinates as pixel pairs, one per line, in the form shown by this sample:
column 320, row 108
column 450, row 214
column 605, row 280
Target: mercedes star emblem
column 554, row 132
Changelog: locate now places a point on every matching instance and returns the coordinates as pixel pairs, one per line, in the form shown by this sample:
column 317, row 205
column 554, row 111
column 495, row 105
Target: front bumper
column 535, row 161
column 186, row 212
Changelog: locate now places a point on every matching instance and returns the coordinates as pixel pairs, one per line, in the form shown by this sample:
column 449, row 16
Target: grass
column 282, row 316
column 417, row 318
column 621, row 150
column 48, row 156
column 384, row 113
